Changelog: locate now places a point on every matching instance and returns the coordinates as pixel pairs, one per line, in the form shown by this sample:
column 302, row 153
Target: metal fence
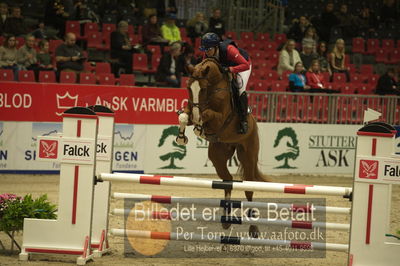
column 321, row 108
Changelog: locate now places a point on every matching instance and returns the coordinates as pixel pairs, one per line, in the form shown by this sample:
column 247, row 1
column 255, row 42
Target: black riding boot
column 243, row 112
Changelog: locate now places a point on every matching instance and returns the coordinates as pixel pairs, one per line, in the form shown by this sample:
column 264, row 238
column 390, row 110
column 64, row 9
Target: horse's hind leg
column 219, row 153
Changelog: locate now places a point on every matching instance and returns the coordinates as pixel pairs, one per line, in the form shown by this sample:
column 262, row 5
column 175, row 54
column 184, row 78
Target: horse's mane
column 212, row 60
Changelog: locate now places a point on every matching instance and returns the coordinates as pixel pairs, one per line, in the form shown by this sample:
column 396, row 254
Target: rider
column 236, row 61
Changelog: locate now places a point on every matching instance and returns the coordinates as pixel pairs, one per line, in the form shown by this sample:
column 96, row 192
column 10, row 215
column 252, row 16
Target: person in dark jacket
column 121, row 47
column 171, row 66
column 387, row 84
column 216, row 24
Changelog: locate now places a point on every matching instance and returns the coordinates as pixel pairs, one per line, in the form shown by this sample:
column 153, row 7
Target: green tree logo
column 286, row 140
column 176, row 151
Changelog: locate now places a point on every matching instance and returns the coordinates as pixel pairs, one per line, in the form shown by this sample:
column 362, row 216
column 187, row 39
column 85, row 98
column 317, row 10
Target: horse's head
column 206, row 78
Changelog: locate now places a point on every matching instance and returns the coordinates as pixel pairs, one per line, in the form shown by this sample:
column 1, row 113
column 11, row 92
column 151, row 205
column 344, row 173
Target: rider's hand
column 226, row 69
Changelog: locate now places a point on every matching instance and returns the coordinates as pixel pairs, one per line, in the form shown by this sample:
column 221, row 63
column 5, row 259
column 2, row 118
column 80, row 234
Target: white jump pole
column 174, row 216
column 230, row 240
column 235, row 185
column 299, row 208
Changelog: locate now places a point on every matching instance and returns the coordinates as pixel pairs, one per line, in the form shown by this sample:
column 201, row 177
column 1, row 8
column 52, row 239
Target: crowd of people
column 305, row 53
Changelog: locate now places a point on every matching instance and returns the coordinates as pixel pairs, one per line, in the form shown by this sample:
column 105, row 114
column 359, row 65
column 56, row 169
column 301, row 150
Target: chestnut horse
column 210, row 110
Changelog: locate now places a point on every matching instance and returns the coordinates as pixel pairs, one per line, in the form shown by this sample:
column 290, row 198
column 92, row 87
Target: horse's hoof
column 182, row 140
column 226, row 226
column 253, row 231
column 197, row 130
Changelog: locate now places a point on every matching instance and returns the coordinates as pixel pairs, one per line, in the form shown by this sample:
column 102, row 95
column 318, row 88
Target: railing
column 321, row 108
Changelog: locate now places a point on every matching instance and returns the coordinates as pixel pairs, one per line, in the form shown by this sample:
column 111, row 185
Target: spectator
column 387, row 84
column 121, row 47
column 322, row 52
column 327, row 22
column 297, row 80
column 151, row 32
column 171, row 66
column 310, row 38
column 43, row 56
column 56, row 16
column 26, row 55
column 169, row 30
column 389, row 12
column 315, row 79
column 346, row 21
column 288, row 57
column 43, row 32
column 298, row 29
column 69, row 56
column 196, row 27
column 15, row 23
column 367, row 20
column 8, row 54
column 337, row 59
column 3, row 17
column 216, row 24
column 188, row 58
column 166, row 7
column 307, row 56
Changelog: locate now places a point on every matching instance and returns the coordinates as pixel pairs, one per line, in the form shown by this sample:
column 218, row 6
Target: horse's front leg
column 210, row 115
column 181, row 139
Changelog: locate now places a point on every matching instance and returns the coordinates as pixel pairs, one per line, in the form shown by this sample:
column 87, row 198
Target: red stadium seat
column 6, row 75
column 356, row 78
column 372, row 46
column 184, row 82
column 264, row 37
column 26, row 76
column 102, row 67
column 154, row 49
column 247, row 35
column 381, row 56
column 94, row 40
column 279, row 85
column 387, row 44
column 339, row 78
column 107, row 29
column 286, row 74
column 47, row 77
column 87, row 78
column 90, row 27
column 53, row 44
column 358, row 45
column 106, row 79
column 73, row 26
column 67, row 77
column 366, row 69
column 373, row 79
column 231, row 35
column 394, row 56
column 127, row 79
column 140, row 63
column 260, row 85
column 348, row 89
column 366, row 89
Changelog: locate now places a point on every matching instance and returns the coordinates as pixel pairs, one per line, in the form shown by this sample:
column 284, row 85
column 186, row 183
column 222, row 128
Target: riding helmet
column 209, row 40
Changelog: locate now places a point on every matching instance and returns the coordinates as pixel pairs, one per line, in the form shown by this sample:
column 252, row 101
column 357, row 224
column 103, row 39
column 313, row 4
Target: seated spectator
column 310, row 38
column 171, row 66
column 3, row 17
column 346, row 21
column 69, row 56
column 43, row 56
column 15, row 23
column 56, row 16
column 322, row 52
column 366, row 20
column 121, row 47
column 169, row 30
column 315, row 79
column 26, row 55
column 216, row 24
column 337, row 59
column 387, row 84
column 8, row 54
column 43, row 32
column 196, row 27
column 151, row 32
column 298, row 29
column 297, row 80
column 307, row 56
column 288, row 57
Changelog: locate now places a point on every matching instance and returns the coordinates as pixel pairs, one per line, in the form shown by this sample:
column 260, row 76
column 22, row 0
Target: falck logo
column 66, row 101
column 48, row 149
column 368, row 169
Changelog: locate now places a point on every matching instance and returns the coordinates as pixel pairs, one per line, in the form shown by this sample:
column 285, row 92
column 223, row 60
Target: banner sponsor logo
column 369, row 169
column 48, row 149
column 126, row 154
column 171, row 151
column 77, row 151
column 15, row 100
column 65, row 102
column 3, row 150
column 287, row 146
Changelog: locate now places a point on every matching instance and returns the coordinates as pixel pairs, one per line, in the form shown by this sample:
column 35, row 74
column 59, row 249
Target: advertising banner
column 133, row 105
column 308, row 148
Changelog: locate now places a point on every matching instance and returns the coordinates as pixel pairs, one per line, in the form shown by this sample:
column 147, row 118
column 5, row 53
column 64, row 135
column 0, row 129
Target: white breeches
column 242, row 79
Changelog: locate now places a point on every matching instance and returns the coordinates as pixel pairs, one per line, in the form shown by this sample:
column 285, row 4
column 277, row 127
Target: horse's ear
column 205, row 71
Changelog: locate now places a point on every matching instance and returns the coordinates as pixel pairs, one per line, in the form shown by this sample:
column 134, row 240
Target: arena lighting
column 371, row 115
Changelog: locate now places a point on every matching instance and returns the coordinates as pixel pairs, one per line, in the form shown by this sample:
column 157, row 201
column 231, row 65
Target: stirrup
column 243, row 127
